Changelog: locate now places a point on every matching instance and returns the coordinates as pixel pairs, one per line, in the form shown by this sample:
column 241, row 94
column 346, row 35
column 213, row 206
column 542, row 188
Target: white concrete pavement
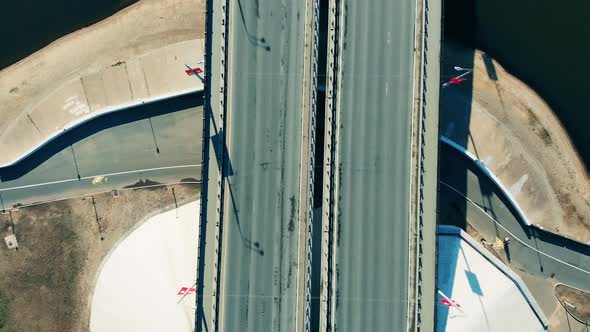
column 146, row 282
column 487, row 295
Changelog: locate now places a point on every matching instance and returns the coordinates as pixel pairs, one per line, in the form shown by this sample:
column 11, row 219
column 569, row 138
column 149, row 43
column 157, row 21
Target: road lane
column 374, row 108
column 129, row 149
column 265, row 92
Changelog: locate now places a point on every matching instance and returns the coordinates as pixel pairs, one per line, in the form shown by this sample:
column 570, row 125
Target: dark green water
column 28, row 25
column 545, row 43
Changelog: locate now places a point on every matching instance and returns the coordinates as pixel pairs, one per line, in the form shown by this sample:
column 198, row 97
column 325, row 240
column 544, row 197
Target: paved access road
column 263, row 134
column 539, row 253
column 374, row 107
column 117, row 144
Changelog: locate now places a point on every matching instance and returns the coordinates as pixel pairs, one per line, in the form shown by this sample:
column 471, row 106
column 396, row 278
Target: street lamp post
column 457, row 68
column 458, row 79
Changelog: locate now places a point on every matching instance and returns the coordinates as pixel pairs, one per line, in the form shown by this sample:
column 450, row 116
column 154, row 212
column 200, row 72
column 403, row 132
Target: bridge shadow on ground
column 103, row 122
column 454, row 119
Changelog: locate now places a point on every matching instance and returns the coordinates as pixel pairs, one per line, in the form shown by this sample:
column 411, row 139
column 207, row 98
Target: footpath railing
column 205, row 141
column 422, row 152
column 311, row 159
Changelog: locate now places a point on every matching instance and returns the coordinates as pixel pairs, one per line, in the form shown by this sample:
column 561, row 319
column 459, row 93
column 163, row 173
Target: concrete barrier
column 492, row 177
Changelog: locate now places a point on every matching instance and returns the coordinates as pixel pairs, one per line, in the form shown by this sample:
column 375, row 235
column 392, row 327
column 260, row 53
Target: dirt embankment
column 518, row 137
column 47, row 284
column 139, row 28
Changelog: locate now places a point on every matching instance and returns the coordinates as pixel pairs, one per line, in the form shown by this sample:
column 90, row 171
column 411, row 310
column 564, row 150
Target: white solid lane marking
column 93, row 176
column 513, row 236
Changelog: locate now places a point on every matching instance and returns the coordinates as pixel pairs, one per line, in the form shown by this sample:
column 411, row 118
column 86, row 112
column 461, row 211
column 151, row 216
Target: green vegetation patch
column 536, row 124
column 545, row 136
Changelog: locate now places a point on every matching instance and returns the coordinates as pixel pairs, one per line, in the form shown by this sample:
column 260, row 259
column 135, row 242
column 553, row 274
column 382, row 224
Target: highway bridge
column 368, row 206
column 379, row 166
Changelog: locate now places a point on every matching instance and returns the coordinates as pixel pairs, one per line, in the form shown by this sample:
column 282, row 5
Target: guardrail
column 221, row 163
column 328, row 225
column 421, row 165
column 311, row 166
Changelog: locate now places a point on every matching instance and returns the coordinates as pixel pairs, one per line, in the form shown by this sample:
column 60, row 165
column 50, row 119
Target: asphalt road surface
column 537, row 252
column 129, row 153
column 259, row 272
column 373, row 171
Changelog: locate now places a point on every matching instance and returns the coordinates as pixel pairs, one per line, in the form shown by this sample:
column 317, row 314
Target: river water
column 545, row 43
column 28, row 25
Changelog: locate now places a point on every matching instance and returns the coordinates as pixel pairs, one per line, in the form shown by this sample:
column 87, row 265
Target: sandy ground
column 156, row 75
column 517, row 136
column 47, row 285
column 578, row 301
column 141, row 27
column 140, row 286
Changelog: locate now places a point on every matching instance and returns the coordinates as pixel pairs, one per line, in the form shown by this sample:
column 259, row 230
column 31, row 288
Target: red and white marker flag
column 456, row 80
column 451, row 303
column 448, row 302
column 186, row 291
column 192, row 71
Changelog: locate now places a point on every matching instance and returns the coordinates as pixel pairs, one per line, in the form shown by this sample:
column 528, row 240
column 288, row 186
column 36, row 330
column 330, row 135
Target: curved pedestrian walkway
column 139, row 145
column 475, row 196
column 155, row 76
